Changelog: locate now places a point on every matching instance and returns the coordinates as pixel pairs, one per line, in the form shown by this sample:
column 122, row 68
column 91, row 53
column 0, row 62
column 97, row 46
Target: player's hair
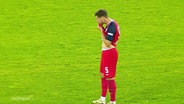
column 101, row 13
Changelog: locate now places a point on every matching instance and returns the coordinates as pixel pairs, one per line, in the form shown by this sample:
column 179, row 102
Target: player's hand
column 100, row 27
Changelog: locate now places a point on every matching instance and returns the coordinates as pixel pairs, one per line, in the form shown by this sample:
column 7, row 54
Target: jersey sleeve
column 111, row 31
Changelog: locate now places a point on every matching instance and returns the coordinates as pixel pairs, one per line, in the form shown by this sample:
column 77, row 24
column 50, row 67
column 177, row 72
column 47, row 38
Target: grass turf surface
column 50, row 51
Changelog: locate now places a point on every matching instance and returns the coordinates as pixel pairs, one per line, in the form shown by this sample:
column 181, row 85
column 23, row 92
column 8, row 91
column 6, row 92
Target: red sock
column 112, row 89
column 104, row 86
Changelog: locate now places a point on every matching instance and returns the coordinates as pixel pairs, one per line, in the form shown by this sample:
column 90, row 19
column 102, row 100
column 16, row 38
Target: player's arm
column 106, row 41
column 110, row 34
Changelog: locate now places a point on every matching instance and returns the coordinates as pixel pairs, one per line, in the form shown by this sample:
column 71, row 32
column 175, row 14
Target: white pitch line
column 22, row 98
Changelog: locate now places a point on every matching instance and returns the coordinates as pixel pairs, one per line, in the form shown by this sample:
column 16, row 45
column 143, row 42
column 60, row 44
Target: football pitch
column 50, row 51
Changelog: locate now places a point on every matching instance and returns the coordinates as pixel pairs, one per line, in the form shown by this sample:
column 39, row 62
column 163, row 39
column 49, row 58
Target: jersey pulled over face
column 112, row 33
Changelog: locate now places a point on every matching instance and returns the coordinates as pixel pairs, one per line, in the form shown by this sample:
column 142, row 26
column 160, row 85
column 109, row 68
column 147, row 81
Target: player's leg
column 112, row 90
column 104, row 83
column 111, row 78
column 104, row 87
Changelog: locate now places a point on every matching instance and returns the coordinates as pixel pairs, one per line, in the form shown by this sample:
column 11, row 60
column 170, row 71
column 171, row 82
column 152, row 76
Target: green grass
column 50, row 51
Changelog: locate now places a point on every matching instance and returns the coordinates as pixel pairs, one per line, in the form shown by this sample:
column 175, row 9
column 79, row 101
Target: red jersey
column 110, row 56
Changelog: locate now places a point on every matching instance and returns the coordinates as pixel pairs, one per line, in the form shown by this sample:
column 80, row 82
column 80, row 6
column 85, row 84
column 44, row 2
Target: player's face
column 100, row 20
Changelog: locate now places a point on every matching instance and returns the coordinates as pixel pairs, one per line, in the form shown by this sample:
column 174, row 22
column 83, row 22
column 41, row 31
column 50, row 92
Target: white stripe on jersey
column 110, row 34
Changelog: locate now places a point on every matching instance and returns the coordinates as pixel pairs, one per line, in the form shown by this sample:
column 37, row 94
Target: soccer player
column 110, row 35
